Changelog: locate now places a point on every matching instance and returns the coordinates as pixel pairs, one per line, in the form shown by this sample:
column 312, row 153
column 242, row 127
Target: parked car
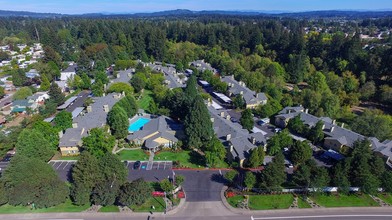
column 136, row 165
column 277, row 130
column 234, row 120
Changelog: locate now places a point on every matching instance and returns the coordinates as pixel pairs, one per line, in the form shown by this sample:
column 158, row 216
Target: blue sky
column 90, row 6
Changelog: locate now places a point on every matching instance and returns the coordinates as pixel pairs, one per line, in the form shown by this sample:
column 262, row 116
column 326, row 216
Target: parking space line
column 164, row 166
column 59, row 165
column 158, row 165
column 66, row 166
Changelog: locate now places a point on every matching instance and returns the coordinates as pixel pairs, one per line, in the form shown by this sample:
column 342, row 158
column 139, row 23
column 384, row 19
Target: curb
column 179, row 207
column 214, row 169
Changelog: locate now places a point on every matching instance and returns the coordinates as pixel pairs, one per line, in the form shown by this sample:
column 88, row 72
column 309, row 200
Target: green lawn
column 65, row 207
column 188, row 159
column 302, row 204
column 233, row 201
column 386, row 197
column 133, row 155
column 111, row 208
column 341, row 200
column 158, row 202
column 263, row 202
column 144, row 102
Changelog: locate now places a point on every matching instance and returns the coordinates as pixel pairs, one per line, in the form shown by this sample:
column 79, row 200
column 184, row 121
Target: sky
column 132, row 6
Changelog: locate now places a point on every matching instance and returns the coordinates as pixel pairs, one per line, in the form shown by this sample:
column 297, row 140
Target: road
column 310, row 214
column 6, row 99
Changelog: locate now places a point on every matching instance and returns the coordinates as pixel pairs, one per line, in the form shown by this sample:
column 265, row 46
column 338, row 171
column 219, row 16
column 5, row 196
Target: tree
column 98, row 89
column 300, row 152
column 198, row 126
column 120, row 87
column 364, row 124
column 105, row 193
column 166, row 186
column 19, row 77
column 231, row 175
column 3, row 194
column 256, row 157
column 49, row 132
column 102, row 77
column 63, row 120
column 118, row 121
column 279, row 141
column 32, row 143
column 350, row 82
column 179, row 179
column 99, row 142
column 296, row 125
column 138, row 83
column 84, row 177
column 274, row 175
column 22, row 93
column 32, row 181
column 86, row 81
column 368, row 90
column 190, row 90
column 134, row 193
column 339, row 178
column 2, row 92
column 128, row 103
column 250, row 180
column 55, row 94
column 45, row 84
column 386, row 94
column 386, row 181
column 247, row 119
column 239, row 101
column 215, row 152
column 316, row 132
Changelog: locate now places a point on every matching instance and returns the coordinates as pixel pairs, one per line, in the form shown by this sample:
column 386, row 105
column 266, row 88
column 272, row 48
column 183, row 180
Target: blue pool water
column 138, row 124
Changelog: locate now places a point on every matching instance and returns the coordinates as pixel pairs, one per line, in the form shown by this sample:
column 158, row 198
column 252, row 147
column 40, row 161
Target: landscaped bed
column 157, row 202
column 111, row 208
column 264, row 202
column 133, row 155
column 65, row 207
column 341, row 200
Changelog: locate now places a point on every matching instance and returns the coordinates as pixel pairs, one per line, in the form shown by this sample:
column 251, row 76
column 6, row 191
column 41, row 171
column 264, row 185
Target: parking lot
column 62, row 165
column 156, row 165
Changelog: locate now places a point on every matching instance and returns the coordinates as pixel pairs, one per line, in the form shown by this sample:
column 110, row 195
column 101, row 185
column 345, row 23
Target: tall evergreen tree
column 118, row 121
column 55, row 94
column 198, row 125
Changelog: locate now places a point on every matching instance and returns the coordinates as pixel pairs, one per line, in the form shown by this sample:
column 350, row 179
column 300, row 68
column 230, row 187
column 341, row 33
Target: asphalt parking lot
column 156, row 165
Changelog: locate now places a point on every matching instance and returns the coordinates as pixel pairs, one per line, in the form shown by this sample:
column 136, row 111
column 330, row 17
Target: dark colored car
column 136, row 165
column 234, row 120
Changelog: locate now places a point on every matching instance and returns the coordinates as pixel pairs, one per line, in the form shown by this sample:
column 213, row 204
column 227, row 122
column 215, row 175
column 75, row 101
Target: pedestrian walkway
column 150, row 161
column 380, row 201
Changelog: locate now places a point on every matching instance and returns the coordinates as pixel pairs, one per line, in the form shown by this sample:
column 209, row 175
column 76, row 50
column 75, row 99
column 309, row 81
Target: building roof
column 76, row 112
column 161, row 126
column 67, row 102
column 241, row 140
column 71, row 68
column 202, row 66
column 236, row 88
column 95, row 118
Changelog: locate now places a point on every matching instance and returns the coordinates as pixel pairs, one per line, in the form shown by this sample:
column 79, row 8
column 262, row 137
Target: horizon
column 73, row 7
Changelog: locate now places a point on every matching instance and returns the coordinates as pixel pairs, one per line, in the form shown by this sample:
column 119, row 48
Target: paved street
column 5, row 100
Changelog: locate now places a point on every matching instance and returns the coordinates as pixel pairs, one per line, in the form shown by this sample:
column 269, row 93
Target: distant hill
column 189, row 13
column 4, row 13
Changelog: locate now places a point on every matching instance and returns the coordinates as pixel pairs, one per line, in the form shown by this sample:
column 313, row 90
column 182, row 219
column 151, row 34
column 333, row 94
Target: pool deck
column 137, row 117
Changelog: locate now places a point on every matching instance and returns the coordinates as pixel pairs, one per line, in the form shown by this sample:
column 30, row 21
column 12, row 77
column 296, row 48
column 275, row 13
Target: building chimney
column 61, row 134
column 253, row 139
column 323, row 127
column 89, row 109
column 81, row 133
column 228, row 117
column 241, row 92
column 257, row 95
column 332, row 128
column 118, row 75
column 75, row 125
column 228, row 137
column 212, row 120
column 306, row 111
column 106, row 108
column 222, row 114
column 231, row 148
column 342, row 125
column 334, row 122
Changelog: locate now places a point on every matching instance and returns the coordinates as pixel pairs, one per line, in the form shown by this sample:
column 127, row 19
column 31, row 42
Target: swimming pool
column 138, row 124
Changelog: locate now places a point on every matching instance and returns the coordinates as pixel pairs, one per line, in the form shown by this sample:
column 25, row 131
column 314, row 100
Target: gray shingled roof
column 165, row 126
column 202, row 66
column 236, row 88
column 95, row 118
column 240, row 138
